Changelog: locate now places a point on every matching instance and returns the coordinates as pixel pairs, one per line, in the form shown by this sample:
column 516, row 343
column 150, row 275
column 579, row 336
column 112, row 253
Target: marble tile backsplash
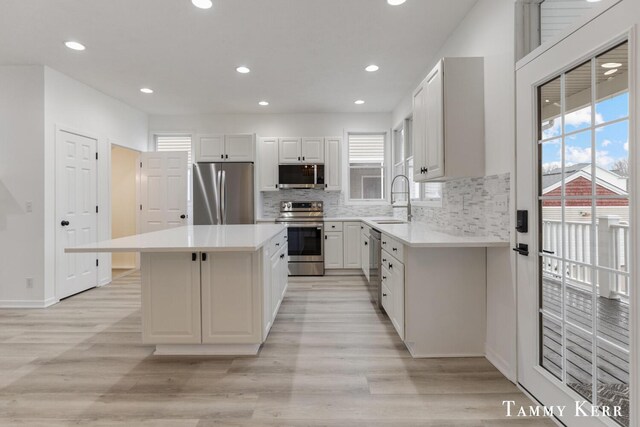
column 468, row 206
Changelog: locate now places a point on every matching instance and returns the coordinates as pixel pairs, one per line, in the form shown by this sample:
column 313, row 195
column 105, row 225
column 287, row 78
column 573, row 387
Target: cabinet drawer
column 365, row 229
column 389, row 262
column 332, row 226
column 277, row 243
column 393, row 247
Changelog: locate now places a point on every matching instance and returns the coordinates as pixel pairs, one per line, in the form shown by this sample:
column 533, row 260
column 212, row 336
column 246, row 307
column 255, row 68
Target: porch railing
column 610, row 249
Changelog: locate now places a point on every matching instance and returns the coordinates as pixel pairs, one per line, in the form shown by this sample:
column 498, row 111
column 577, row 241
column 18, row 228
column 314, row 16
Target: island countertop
column 192, row 238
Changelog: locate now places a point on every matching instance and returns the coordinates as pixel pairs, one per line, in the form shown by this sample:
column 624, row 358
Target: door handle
column 64, row 223
column 522, row 249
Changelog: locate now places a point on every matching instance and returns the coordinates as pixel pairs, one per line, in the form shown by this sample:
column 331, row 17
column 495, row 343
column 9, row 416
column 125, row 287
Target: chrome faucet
column 408, row 193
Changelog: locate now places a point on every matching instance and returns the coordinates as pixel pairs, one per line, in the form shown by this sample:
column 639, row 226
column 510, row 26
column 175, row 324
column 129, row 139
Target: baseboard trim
column 498, row 361
column 207, row 349
column 344, row 272
column 28, row 303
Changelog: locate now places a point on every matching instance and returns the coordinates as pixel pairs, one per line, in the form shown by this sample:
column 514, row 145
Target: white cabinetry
column 209, row 148
column 351, row 245
column 332, row 164
column 215, row 299
column 364, row 254
column 268, row 164
column 170, row 298
column 301, row 150
column 289, row 150
column 448, row 121
column 225, row 148
column 393, row 281
column 333, row 247
column 230, row 298
column 312, row 150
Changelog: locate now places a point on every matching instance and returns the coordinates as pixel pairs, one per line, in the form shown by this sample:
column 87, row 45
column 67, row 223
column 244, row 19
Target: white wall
column 488, row 31
column 21, row 180
column 271, row 124
column 74, row 105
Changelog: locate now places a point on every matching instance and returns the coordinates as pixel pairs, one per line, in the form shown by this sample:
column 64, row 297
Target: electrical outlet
column 29, row 282
column 501, row 203
column 28, row 206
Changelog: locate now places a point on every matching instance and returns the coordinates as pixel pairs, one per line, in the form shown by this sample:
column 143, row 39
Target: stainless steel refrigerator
column 223, row 193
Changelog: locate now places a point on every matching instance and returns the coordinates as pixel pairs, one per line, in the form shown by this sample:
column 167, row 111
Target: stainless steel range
column 305, row 230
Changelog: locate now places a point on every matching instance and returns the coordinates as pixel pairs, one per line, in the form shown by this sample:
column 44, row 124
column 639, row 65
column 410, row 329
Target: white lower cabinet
column 170, row 298
column 333, row 247
column 351, row 245
column 364, row 254
column 218, row 298
column 231, row 289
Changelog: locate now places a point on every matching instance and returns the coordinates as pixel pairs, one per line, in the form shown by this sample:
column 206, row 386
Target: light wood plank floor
column 331, row 360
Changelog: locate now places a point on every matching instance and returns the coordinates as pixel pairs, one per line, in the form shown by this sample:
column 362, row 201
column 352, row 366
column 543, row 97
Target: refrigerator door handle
column 219, row 204
column 223, row 197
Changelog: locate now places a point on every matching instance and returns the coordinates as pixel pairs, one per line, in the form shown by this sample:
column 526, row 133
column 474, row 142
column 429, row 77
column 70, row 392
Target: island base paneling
column 216, row 303
column 445, row 302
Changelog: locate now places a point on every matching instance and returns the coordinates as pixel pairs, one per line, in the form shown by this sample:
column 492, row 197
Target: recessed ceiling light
column 202, row 4
column 359, row 102
column 146, row 90
column 74, row 45
column 243, row 70
column 546, row 100
column 263, row 103
column 395, row 2
column 611, row 65
column 613, row 71
column 593, row 1
column 371, row 68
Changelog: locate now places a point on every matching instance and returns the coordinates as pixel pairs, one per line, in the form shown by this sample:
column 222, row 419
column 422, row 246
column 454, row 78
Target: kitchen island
column 208, row 289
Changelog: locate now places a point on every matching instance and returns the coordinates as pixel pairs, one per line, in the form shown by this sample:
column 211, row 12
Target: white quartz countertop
column 419, row 234
column 198, row 238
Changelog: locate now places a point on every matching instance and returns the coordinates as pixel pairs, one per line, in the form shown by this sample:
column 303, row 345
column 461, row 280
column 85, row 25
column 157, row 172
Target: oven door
column 306, row 242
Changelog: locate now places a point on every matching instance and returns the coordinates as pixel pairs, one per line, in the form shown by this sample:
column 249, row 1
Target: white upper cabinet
column 289, row 150
column 448, row 121
column 268, row 164
column 301, row 150
column 312, row 150
column 332, row 164
column 239, row 148
column 225, row 148
column 210, row 148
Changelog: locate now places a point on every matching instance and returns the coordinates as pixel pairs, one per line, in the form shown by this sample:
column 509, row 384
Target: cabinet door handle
column 277, row 244
column 281, row 255
column 226, row 156
column 395, row 249
column 303, row 158
column 222, row 156
column 194, row 256
column 366, row 243
column 384, row 295
column 325, row 237
column 384, row 260
column 298, row 158
column 64, row 223
column 390, row 266
column 204, row 256
column 384, row 277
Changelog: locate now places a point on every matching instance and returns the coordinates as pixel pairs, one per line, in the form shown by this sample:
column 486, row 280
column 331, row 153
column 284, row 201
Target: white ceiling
column 305, row 56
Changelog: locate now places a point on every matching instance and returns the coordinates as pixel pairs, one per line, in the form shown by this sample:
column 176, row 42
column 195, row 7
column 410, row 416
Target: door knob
column 183, row 216
column 64, row 223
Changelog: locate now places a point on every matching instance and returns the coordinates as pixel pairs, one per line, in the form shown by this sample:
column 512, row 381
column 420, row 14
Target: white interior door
column 574, row 284
column 76, row 216
column 163, row 190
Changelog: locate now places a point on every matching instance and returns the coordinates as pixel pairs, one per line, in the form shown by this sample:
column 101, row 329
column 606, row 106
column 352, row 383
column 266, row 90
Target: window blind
column 174, row 143
column 366, row 149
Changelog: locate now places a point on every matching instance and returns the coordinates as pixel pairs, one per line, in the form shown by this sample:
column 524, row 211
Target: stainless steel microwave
column 301, row 176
